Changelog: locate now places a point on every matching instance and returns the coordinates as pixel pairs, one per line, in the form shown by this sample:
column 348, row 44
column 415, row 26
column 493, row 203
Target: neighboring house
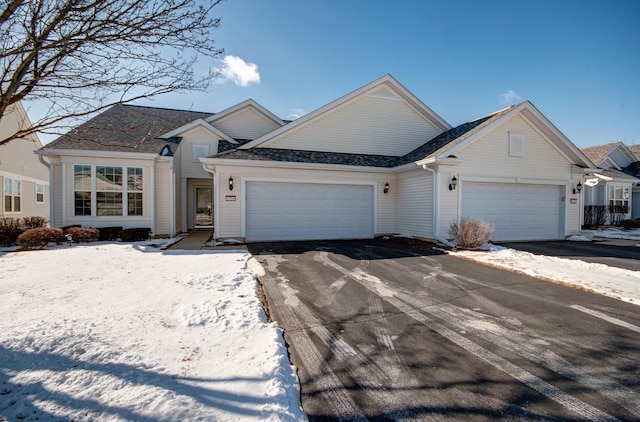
column 375, row 161
column 615, row 184
column 24, row 179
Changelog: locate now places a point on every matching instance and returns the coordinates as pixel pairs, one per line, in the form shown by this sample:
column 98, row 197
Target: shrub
column 630, row 224
column 65, row 229
column 40, row 237
column 594, row 216
column 617, row 213
column 33, row 222
column 83, row 235
column 109, row 233
column 10, row 229
column 133, row 235
column 469, row 233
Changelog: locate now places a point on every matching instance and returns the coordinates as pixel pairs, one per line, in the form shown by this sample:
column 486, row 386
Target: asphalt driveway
column 382, row 331
column 612, row 252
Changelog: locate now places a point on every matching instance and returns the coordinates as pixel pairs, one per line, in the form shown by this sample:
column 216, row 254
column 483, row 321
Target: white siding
column 488, row 160
column 229, row 224
column 245, row 124
column 57, row 217
column 177, row 170
column 490, row 157
column 367, row 125
column 163, row 202
column 189, row 167
column 414, row 207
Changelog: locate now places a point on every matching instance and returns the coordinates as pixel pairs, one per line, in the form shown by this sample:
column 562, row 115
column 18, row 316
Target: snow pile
column 610, row 281
column 128, row 332
column 577, row 238
column 616, row 233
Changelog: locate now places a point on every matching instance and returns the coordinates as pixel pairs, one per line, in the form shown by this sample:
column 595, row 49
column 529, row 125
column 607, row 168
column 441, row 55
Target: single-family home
column 375, row 161
column 614, row 186
column 24, row 178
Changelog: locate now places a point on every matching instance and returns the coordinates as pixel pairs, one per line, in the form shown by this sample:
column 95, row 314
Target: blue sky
column 577, row 61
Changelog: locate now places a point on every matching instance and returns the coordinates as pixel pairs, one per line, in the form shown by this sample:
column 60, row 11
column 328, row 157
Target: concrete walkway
column 193, row 241
column 197, row 240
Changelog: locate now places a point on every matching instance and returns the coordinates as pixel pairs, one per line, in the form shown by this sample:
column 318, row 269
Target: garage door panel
column 308, row 211
column 517, row 211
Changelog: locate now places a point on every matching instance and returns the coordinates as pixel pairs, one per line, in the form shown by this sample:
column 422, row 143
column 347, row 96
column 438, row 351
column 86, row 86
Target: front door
column 204, row 207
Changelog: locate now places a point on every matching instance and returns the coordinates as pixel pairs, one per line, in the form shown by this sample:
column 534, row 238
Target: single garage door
column 308, row 211
column 518, row 211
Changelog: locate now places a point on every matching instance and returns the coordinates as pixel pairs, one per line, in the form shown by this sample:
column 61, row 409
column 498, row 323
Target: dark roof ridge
column 164, row 108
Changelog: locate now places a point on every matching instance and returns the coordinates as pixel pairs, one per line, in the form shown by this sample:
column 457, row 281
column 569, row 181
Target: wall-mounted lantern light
column 454, row 183
column 386, row 188
column 230, row 183
column 577, row 189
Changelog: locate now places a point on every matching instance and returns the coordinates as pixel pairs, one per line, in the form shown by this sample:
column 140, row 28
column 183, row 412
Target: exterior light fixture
column 454, row 183
column 230, row 183
column 386, row 187
column 577, row 189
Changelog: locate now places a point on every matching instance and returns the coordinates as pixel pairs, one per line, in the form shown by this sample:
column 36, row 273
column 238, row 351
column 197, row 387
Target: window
column 199, row 150
column 618, row 196
column 108, row 190
column 39, row 194
column 134, row 191
column 115, row 191
column 12, row 195
column 516, row 145
column 82, row 190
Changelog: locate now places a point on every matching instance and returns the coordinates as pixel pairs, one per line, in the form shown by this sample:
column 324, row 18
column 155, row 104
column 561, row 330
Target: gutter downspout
column 48, row 166
column 436, row 209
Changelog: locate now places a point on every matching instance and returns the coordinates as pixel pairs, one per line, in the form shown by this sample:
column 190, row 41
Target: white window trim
column 39, row 185
column 124, row 191
column 12, row 195
column 516, row 144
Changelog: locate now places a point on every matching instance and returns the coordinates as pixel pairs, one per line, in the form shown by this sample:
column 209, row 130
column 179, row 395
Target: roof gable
column 533, row 117
column 381, row 118
column 247, row 120
column 198, row 123
column 614, row 155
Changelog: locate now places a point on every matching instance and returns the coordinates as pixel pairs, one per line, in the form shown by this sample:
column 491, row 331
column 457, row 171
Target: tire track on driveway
column 300, row 341
column 392, row 296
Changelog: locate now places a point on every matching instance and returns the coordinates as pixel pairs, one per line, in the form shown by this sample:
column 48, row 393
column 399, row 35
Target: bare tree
column 82, row 56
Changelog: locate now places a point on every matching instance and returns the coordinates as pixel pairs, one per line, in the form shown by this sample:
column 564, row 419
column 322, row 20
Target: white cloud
column 296, row 113
column 238, row 71
column 509, row 97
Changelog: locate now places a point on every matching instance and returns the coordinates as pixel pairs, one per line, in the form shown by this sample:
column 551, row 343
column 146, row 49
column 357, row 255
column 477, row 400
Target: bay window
column 108, row 190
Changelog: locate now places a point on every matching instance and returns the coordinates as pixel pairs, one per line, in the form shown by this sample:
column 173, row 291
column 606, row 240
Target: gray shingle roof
column 598, row 153
column 298, row 156
column 127, row 128
column 635, row 150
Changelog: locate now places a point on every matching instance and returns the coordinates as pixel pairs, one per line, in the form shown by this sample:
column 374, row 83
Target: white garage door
column 518, row 211
column 308, row 211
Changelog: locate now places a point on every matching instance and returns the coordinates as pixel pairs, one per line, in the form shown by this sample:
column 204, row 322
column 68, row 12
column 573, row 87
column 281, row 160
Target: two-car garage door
column 308, row 211
column 517, row 211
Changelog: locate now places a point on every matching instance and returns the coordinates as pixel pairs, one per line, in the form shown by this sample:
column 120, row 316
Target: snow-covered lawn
column 113, row 331
column 609, row 281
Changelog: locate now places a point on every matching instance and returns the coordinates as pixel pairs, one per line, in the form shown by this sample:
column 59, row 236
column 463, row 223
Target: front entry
column 204, row 208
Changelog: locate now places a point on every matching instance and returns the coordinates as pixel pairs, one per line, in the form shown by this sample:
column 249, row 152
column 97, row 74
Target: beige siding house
column 24, row 179
column 375, row 161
